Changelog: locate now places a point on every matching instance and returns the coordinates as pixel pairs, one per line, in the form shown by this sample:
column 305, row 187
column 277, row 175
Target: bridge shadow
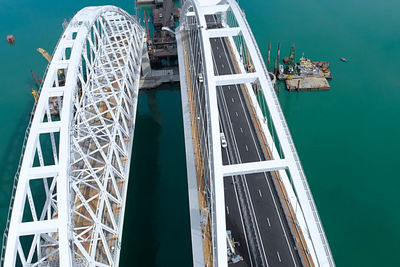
column 139, row 243
column 157, row 226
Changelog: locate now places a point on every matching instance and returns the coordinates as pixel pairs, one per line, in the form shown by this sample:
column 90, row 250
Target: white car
column 223, row 140
column 200, row 77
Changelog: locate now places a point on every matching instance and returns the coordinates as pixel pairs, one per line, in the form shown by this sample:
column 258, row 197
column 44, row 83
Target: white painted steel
column 215, row 157
column 300, row 195
column 232, row 79
column 313, row 226
column 224, row 32
column 78, row 219
column 254, row 167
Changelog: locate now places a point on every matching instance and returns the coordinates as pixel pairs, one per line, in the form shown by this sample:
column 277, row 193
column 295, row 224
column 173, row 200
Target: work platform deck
column 307, row 84
column 158, row 77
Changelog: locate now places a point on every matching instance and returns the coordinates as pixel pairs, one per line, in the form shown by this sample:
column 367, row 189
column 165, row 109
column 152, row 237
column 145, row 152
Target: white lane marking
column 265, row 175
column 219, row 56
column 238, row 154
column 217, row 47
column 247, row 148
column 233, row 181
column 279, row 256
column 227, row 210
column 233, row 100
column 237, row 115
column 269, row 223
column 259, row 192
column 224, row 104
column 223, row 66
column 229, row 87
column 241, row 129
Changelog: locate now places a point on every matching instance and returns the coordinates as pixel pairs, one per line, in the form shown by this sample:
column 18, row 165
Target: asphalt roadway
column 253, row 211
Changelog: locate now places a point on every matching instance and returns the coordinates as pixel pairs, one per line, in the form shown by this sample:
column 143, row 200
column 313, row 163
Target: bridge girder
column 70, row 190
column 235, row 29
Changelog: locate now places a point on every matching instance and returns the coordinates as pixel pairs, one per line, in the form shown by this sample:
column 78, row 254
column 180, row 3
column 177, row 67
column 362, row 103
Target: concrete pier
column 157, row 77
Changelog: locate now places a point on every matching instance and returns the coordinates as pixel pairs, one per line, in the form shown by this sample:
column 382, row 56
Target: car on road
column 223, row 140
column 200, row 77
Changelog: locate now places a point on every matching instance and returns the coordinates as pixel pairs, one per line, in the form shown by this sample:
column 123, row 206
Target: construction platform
column 307, row 84
column 305, row 76
column 157, row 77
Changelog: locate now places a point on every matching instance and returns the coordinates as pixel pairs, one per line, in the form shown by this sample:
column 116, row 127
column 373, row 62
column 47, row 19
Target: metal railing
column 15, row 183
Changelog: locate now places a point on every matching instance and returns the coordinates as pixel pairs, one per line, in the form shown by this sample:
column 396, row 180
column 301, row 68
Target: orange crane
column 47, row 57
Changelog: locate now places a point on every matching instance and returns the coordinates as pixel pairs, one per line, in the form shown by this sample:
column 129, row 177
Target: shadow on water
column 152, row 100
column 157, row 226
column 139, row 244
column 154, row 109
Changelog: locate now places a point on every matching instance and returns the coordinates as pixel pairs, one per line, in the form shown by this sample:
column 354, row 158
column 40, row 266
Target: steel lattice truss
column 69, row 203
column 253, row 75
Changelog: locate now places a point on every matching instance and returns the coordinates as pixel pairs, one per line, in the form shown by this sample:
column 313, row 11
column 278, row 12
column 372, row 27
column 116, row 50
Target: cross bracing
column 69, row 203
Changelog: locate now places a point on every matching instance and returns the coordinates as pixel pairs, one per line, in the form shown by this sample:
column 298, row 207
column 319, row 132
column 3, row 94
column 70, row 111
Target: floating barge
column 307, row 84
column 306, row 75
column 311, row 76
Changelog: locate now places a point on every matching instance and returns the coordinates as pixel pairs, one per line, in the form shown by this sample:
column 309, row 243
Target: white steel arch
column 255, row 77
column 68, row 207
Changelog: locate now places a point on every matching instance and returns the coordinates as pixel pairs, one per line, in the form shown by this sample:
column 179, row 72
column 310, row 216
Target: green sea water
column 347, row 138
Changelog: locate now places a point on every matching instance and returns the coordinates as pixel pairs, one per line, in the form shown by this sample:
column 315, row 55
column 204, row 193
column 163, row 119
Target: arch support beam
column 71, row 184
column 255, row 167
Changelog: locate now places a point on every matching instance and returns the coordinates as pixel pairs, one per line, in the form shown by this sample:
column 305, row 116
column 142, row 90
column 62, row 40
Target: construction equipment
column 147, row 26
column 44, row 54
column 233, row 256
column 291, row 65
column 34, row 93
column 48, row 57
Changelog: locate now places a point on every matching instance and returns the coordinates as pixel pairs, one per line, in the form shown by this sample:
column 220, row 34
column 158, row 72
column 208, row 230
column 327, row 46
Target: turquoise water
column 347, row 137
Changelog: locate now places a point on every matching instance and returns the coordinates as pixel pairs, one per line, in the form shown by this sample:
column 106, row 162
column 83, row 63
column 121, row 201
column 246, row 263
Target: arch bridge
column 68, row 199
column 246, row 182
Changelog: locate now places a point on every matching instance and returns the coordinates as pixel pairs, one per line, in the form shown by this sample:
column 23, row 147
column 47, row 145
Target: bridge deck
column 253, row 208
